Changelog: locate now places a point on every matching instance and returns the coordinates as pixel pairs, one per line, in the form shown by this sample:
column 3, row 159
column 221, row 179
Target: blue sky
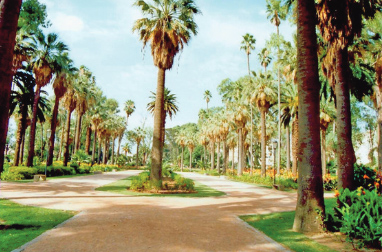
column 99, row 35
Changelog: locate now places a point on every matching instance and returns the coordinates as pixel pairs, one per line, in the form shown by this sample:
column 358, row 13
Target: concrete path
column 111, row 222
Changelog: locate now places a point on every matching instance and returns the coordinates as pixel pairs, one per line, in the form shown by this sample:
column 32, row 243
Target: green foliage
column 140, row 182
column 22, row 172
column 122, row 160
column 289, row 183
column 364, row 176
column 359, row 216
column 209, row 172
column 36, row 160
column 330, row 183
column 81, row 157
column 184, row 183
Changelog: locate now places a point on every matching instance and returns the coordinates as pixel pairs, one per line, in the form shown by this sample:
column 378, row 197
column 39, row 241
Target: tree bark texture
column 67, row 134
column 310, row 197
column 323, row 151
column 9, row 15
column 53, row 127
column 218, row 157
column 182, row 159
column 345, row 152
column 88, row 140
column 94, row 145
column 294, row 146
column 225, row 157
column 20, row 134
column 32, row 136
column 263, row 143
column 212, row 155
column 78, row 132
column 157, row 148
column 288, row 148
column 241, row 149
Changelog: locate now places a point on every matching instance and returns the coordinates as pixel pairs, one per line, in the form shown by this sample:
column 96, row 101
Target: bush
column 364, row 176
column 10, row 176
column 26, row 172
column 184, row 183
column 330, row 183
column 140, row 182
column 359, row 216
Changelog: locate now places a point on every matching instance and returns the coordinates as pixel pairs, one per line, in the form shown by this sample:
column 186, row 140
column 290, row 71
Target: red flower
column 365, row 176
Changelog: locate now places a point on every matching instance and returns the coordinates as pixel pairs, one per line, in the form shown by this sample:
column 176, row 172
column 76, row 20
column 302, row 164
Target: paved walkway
column 111, row 222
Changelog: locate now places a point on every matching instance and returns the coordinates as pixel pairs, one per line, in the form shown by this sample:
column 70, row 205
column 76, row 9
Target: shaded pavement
column 112, row 222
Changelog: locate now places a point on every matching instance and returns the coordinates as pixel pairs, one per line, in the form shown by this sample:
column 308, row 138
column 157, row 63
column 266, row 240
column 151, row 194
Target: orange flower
column 376, row 184
column 365, row 176
column 363, row 192
column 336, row 193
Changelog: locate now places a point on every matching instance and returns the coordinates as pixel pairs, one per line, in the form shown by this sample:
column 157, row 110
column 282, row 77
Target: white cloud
column 67, row 23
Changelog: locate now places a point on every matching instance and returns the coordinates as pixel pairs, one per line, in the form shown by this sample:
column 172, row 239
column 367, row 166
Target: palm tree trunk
column 263, row 143
column 251, row 147
column 22, row 150
column 379, row 120
column 62, row 142
column 67, row 134
column 279, row 106
column 190, row 159
column 212, row 155
column 240, row 163
column 112, row 150
column 119, row 145
column 294, row 146
column 345, row 152
column 323, row 151
column 105, row 150
column 136, row 157
column 225, row 157
column 99, row 150
column 53, row 127
column 233, row 160
column 94, row 145
column 9, row 14
column 205, row 158
column 42, row 140
column 181, row 159
column 88, row 140
column 288, row 148
column 249, row 70
column 157, row 149
column 32, row 136
column 20, row 134
column 78, row 132
column 218, row 157
column 310, row 200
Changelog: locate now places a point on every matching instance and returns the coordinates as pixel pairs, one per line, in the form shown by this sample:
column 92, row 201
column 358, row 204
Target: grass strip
column 278, row 226
column 20, row 224
column 121, row 186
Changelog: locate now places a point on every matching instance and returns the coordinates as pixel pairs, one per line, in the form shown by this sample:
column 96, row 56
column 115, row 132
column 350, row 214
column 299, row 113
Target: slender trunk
column 212, row 155
column 294, row 146
column 22, row 150
column 32, row 136
column 112, row 150
column 94, row 145
column 78, row 132
column 345, row 152
column 240, row 163
column 20, row 134
column 251, row 147
column 62, row 142
column 42, row 140
column 99, row 150
column 53, row 127
column 263, row 143
column 181, row 160
column 249, row 69
column 279, row 107
column 67, row 134
column 75, row 136
column 233, row 159
column 288, row 147
column 105, row 150
column 9, row 14
column 310, row 207
column 136, row 156
column 225, row 157
column 88, row 140
column 323, row 151
column 190, row 159
column 119, row 145
column 379, row 109
column 204, row 159
column 218, row 157
column 157, row 148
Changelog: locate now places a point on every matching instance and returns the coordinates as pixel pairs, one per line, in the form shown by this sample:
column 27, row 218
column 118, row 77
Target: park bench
column 38, row 177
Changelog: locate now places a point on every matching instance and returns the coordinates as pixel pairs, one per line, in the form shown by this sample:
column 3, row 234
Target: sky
column 99, row 35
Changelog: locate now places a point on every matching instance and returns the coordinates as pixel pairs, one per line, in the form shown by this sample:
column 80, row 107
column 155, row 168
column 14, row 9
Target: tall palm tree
column 70, row 104
column 310, row 201
column 248, row 45
column 167, row 25
column 264, row 58
column 264, row 96
column 207, row 97
column 240, row 118
column 47, row 59
column 190, row 142
column 9, row 14
column 340, row 24
column 276, row 12
column 129, row 108
column 180, row 139
column 137, row 135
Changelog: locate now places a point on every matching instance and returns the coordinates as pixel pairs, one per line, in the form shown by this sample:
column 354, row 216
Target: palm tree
column 129, row 108
column 264, row 58
column 264, row 96
column 310, row 201
column 9, row 14
column 180, row 139
column 167, row 26
column 170, row 109
column 276, row 12
column 47, row 59
column 207, row 97
column 23, row 99
column 339, row 25
column 240, row 118
column 248, row 44
column 70, row 104
column 190, row 142
column 137, row 135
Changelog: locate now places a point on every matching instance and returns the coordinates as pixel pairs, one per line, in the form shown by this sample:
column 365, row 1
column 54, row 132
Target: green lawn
column 20, row 224
column 51, row 178
column 121, row 186
column 278, row 227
